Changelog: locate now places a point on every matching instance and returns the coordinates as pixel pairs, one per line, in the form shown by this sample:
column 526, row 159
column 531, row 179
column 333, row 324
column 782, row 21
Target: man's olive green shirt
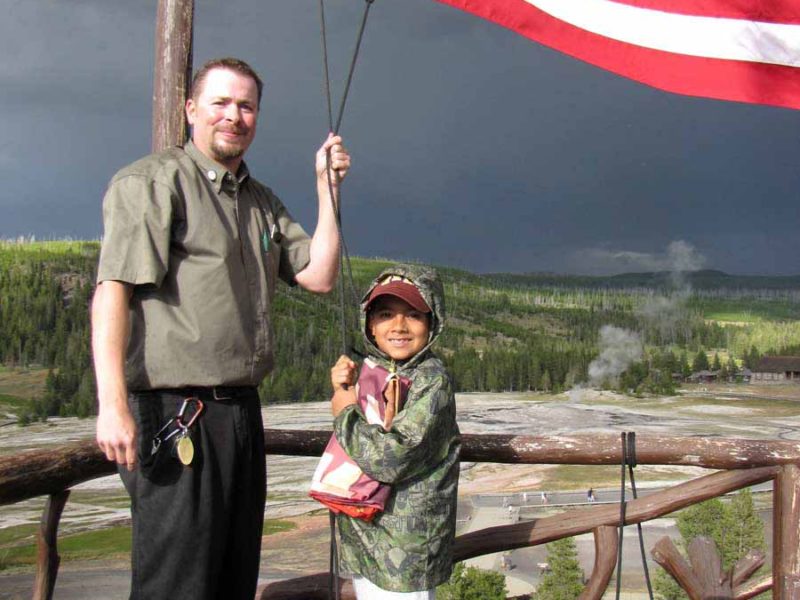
column 203, row 249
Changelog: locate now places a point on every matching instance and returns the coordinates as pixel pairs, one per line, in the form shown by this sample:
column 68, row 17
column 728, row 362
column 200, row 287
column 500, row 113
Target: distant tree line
column 44, row 321
column 501, row 335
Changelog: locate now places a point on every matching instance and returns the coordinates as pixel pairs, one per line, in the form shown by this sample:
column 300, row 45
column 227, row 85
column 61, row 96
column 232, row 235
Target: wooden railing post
column 606, row 542
column 46, row 542
column 173, row 71
column 53, row 471
column 786, row 534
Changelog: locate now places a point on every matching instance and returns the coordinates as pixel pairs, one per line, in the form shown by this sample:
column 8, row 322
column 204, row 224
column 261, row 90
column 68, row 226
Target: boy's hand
column 343, row 378
column 343, row 373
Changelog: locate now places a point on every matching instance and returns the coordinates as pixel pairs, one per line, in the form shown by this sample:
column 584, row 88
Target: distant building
column 777, row 369
column 704, row 377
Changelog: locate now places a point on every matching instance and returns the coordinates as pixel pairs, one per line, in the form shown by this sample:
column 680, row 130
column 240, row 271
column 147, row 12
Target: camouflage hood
column 430, row 286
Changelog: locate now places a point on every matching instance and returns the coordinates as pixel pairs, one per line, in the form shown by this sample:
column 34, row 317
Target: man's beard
column 224, row 151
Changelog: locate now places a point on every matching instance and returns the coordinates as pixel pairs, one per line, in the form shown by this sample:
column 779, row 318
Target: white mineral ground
column 741, row 411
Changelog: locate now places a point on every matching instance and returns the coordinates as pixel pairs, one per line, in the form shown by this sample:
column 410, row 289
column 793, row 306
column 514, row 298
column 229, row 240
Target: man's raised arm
column 323, row 267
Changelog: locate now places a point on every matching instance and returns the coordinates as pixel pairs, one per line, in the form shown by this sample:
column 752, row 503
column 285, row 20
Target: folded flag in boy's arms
column 338, row 482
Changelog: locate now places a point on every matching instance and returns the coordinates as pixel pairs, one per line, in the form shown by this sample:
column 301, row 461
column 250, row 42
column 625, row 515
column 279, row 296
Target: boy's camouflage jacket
column 409, row 546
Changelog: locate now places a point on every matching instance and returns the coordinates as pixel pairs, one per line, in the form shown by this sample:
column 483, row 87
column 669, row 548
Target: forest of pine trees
column 504, row 333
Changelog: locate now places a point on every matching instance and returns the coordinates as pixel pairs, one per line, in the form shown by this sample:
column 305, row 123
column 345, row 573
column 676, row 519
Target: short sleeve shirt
column 203, row 249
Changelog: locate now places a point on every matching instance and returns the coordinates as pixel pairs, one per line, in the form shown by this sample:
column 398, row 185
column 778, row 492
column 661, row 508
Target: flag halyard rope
column 345, row 268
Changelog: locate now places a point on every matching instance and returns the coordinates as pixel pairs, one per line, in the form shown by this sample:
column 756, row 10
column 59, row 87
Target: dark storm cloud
column 473, row 146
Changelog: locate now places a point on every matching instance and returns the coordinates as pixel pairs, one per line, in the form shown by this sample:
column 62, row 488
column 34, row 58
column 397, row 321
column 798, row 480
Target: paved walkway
column 490, row 517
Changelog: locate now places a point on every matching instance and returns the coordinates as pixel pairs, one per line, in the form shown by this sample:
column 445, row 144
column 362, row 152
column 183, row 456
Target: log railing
column 740, row 463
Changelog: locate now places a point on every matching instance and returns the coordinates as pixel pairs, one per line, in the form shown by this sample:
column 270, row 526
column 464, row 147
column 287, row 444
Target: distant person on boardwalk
column 405, row 551
column 590, row 495
column 545, row 499
column 192, row 250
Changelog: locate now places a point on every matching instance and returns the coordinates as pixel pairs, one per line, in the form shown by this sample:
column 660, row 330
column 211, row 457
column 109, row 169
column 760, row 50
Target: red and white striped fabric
column 741, row 50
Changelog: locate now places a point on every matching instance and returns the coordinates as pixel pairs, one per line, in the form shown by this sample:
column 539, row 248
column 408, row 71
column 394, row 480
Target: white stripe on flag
column 708, row 37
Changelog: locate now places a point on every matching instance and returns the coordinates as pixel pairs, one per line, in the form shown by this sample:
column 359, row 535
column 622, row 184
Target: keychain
column 183, row 446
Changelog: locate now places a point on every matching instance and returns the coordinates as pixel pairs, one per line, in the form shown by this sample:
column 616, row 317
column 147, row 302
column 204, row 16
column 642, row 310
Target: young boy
column 405, row 551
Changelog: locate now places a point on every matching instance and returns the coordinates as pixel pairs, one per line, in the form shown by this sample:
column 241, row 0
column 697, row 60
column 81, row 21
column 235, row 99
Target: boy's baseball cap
column 401, row 288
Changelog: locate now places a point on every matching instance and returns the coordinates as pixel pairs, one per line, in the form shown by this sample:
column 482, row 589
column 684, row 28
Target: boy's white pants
column 366, row 590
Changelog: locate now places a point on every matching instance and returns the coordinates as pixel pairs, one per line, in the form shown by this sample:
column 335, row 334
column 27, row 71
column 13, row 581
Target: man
column 182, row 336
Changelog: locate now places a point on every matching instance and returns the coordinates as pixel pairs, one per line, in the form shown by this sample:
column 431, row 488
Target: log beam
column 786, row 534
column 43, row 472
column 666, row 554
column 707, row 564
column 604, row 449
column 582, row 520
column 606, row 542
column 751, row 589
column 746, row 567
column 48, row 559
column 597, row 449
column 704, row 578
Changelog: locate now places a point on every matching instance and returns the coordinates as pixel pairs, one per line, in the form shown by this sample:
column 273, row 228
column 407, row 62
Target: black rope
column 353, row 61
column 631, row 464
column 628, row 440
column 345, row 266
column 344, row 256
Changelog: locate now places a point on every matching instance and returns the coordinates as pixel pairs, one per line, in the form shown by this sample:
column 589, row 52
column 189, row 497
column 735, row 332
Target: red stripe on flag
column 740, row 81
column 766, row 11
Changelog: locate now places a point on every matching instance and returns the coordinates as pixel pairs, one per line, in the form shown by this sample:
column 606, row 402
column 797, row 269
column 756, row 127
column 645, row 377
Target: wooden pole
column 580, row 520
column 47, row 550
column 44, row 472
column 173, row 71
column 39, row 472
column 666, row 554
column 606, row 542
column 786, row 534
column 604, row 449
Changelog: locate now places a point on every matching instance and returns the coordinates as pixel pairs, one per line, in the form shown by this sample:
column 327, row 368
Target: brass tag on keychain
column 185, row 449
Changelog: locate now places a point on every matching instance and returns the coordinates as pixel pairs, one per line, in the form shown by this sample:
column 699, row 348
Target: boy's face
column 397, row 328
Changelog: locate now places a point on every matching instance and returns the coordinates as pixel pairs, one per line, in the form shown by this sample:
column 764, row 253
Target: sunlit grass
column 13, row 404
column 113, row 542
column 102, row 499
column 579, row 477
column 45, row 247
column 21, row 383
column 17, row 534
column 272, row 526
column 18, row 544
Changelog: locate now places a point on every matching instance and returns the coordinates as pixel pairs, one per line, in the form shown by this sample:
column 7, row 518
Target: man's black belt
column 217, row 392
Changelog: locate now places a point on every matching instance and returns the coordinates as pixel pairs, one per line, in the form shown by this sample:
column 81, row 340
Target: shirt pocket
column 270, row 245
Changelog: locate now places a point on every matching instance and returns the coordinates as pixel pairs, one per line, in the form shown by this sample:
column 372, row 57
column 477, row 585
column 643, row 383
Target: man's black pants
column 197, row 529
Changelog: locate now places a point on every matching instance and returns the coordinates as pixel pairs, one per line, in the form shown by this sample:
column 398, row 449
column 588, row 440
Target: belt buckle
column 219, row 395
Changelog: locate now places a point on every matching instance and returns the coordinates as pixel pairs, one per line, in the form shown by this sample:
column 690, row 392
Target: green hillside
column 505, row 332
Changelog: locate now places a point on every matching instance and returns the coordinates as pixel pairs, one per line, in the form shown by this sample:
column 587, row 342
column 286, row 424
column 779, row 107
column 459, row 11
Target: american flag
column 740, row 50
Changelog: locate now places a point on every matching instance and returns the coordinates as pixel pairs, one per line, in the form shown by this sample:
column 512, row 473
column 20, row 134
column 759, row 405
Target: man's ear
column 190, row 110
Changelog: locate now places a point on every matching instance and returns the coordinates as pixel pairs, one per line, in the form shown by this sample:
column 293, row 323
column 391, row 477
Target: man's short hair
column 229, row 64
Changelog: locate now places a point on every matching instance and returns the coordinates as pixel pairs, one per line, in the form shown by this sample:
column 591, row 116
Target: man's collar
column 212, row 170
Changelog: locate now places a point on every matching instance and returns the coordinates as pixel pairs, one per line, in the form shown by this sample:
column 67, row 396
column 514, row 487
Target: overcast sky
column 472, row 146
